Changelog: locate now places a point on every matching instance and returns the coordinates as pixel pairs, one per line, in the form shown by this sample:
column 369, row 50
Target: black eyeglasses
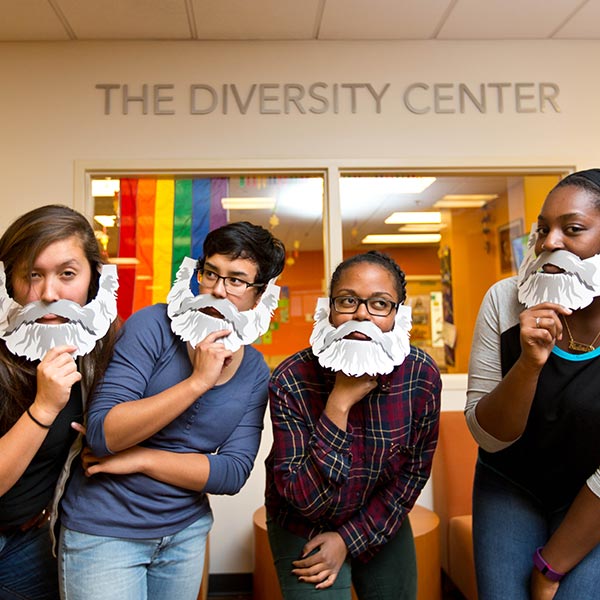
column 233, row 285
column 376, row 306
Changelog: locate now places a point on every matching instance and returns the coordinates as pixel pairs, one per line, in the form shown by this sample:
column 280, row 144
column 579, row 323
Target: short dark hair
column 588, row 180
column 242, row 239
column 376, row 258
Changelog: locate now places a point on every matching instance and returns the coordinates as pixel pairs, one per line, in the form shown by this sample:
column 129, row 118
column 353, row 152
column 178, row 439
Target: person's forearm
column 189, row 471
column 578, row 534
column 503, row 413
column 18, row 446
column 130, row 423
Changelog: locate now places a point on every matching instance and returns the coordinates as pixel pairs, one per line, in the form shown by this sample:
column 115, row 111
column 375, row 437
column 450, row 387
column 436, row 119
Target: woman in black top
column 49, row 254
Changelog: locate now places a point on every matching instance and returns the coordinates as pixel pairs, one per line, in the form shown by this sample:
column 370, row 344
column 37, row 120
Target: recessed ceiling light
column 414, row 217
column 398, row 238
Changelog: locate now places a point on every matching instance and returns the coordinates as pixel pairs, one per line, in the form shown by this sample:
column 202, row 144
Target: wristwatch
column 544, row 568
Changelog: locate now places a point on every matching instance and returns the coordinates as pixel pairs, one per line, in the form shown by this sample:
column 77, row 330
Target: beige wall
column 51, row 114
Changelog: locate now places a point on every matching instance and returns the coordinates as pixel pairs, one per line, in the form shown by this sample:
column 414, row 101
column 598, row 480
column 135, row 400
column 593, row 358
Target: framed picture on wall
column 519, row 248
column 506, row 234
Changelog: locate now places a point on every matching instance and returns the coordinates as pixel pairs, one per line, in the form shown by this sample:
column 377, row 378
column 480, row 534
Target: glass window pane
column 453, row 235
column 147, row 225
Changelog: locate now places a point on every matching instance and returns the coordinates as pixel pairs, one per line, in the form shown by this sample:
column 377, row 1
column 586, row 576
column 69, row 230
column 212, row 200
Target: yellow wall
column 536, row 188
column 474, row 239
column 473, row 271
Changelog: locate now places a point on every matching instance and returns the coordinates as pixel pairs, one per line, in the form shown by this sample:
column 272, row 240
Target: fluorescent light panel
column 366, row 186
column 414, row 217
column 398, row 238
column 464, row 200
column 421, row 227
column 248, row 203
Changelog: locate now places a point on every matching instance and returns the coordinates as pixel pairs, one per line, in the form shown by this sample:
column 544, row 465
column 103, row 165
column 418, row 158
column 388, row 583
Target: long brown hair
column 20, row 245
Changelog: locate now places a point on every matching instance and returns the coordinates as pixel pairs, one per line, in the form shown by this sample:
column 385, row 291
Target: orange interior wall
column 473, row 271
column 301, row 284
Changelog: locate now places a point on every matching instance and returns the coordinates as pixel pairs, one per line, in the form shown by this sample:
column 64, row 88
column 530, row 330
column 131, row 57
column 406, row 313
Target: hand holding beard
column 56, row 374
column 209, row 358
column 541, row 328
column 348, row 391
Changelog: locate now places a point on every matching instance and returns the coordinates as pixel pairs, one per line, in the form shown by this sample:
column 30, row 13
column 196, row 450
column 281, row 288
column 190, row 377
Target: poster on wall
column 507, row 234
column 449, row 330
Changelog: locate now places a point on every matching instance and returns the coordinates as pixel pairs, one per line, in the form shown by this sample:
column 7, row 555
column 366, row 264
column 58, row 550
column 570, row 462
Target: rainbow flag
column 162, row 220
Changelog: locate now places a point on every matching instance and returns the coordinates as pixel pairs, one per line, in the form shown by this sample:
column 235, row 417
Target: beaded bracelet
column 36, row 421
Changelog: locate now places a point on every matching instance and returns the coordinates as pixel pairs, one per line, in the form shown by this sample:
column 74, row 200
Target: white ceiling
column 63, row 20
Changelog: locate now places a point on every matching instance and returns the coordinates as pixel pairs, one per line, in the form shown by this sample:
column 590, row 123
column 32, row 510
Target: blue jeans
column 390, row 575
column 27, row 566
column 508, row 525
column 102, row 568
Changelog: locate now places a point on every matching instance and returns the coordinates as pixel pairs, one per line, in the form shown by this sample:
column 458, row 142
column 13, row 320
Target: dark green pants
column 390, row 575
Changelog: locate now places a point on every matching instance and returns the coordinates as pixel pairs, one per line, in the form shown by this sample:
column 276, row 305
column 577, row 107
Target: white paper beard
column 377, row 356
column 574, row 288
column 85, row 326
column 193, row 326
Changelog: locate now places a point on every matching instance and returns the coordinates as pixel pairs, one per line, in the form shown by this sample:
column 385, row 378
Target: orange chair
column 452, row 478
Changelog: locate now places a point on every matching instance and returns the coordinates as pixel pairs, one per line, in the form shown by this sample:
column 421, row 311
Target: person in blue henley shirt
column 174, row 419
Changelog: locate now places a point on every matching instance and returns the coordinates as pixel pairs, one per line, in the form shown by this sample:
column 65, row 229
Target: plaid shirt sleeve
column 312, row 456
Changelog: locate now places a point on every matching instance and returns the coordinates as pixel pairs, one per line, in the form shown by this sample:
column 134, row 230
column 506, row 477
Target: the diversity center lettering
column 318, row 98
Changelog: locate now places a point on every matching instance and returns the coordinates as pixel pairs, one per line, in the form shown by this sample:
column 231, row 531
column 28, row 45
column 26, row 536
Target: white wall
column 54, row 127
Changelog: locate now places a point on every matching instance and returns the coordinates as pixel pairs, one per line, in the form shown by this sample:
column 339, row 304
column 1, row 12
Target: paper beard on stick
column 575, row 285
column 376, row 356
column 192, row 325
column 84, row 327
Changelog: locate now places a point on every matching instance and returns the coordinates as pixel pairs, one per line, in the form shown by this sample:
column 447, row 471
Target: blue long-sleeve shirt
column 225, row 424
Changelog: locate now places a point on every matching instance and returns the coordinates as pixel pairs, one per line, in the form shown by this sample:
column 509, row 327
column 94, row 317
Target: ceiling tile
column 502, row 19
column 30, row 20
column 381, row 19
column 256, row 19
column 583, row 25
column 127, row 20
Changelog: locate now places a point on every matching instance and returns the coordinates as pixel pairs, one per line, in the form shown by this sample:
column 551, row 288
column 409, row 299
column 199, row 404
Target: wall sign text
column 319, row 98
